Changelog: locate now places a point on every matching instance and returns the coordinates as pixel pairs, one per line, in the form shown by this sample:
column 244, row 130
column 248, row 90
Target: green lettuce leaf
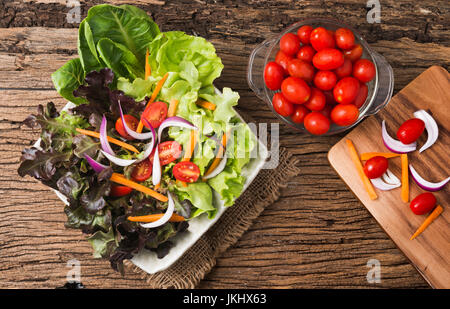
column 68, row 78
column 103, row 243
column 138, row 89
column 200, row 196
column 87, row 50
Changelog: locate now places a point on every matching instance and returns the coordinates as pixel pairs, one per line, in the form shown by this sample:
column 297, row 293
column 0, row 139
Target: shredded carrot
column 110, row 139
column 155, row 93
column 206, row 104
column 157, row 186
column 219, row 156
column 172, row 108
column 155, row 217
column 355, row 158
column 436, row 212
column 369, row 155
column 405, row 180
column 148, row 69
column 188, row 153
column 120, row 179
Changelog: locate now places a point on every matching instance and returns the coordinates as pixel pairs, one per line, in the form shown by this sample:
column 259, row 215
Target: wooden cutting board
column 430, row 251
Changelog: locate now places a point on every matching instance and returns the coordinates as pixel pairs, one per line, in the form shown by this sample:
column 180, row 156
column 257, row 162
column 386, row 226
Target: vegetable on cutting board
column 426, row 185
column 405, row 178
column 436, row 212
column 368, row 155
column 355, row 158
column 431, row 127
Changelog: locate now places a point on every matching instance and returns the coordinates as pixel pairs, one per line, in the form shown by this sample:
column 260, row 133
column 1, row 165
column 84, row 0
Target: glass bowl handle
column 255, row 68
column 385, row 87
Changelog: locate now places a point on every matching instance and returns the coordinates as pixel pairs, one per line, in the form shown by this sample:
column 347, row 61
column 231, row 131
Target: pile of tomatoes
column 321, row 76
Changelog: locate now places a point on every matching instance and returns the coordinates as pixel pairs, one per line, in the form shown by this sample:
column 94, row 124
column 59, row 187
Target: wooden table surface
column 317, row 235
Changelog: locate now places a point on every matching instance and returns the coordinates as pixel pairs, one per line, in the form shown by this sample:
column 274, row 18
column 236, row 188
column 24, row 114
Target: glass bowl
column 379, row 89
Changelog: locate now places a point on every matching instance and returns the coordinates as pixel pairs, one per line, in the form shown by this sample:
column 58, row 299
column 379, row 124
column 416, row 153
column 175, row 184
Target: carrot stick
column 206, row 104
column 157, row 186
column 110, row 139
column 436, row 212
column 405, row 180
column 190, row 150
column 155, row 93
column 120, row 179
column 148, row 69
column 219, row 156
column 172, row 108
column 369, row 155
column 155, row 217
column 355, row 158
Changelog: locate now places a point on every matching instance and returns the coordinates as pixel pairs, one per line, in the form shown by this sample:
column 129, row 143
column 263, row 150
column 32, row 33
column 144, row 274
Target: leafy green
column 200, row 195
column 103, row 243
column 138, row 89
column 87, row 50
column 68, row 78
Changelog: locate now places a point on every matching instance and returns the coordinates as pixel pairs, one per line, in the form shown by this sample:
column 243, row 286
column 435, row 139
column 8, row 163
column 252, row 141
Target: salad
column 146, row 140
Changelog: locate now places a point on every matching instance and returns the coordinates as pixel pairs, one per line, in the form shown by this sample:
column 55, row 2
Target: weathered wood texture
column 317, row 235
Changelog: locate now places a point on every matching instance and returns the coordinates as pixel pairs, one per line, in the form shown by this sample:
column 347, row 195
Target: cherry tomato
column 295, row 90
column 186, row 171
column 281, row 105
column 328, row 59
column 354, row 54
column 344, row 114
column 301, row 69
column 344, row 38
column 168, row 152
column 321, row 38
column 282, row 59
column 410, row 130
column 316, row 123
column 273, row 75
column 132, row 123
column 326, row 111
column 362, row 95
column 346, row 90
column 376, row 166
column 290, row 44
column 304, row 32
column 306, row 53
column 364, row 70
column 316, row 101
column 423, row 203
column 142, row 171
column 118, row 191
column 345, row 69
column 325, row 80
column 299, row 114
column 155, row 114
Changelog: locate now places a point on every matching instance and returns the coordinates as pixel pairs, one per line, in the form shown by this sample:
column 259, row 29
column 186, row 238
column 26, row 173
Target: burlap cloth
column 192, row 267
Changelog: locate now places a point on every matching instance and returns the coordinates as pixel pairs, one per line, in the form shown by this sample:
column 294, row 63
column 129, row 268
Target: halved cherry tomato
column 344, row 38
column 273, row 75
column 410, row 130
column 364, row 70
column 321, row 38
column 168, row 152
column 328, row 59
column 354, row 54
column 301, row 69
column 304, row 32
column 325, row 80
column 186, row 171
column 345, row 69
column 316, row 101
column 118, row 191
column 376, row 166
column 306, row 53
column 344, row 114
column 142, row 171
column 362, row 95
column 295, row 90
column 132, row 123
column 423, row 203
column 346, row 90
column 282, row 59
column 316, row 123
column 155, row 113
column 281, row 105
column 299, row 114
column 290, row 44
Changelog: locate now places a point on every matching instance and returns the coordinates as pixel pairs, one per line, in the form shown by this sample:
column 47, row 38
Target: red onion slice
column 175, row 121
column 390, row 178
column 133, row 134
column 167, row 215
column 156, row 173
column 380, row 184
column 218, row 169
column 393, row 144
column 104, row 137
column 426, row 185
column 97, row 167
column 431, row 127
column 117, row 160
